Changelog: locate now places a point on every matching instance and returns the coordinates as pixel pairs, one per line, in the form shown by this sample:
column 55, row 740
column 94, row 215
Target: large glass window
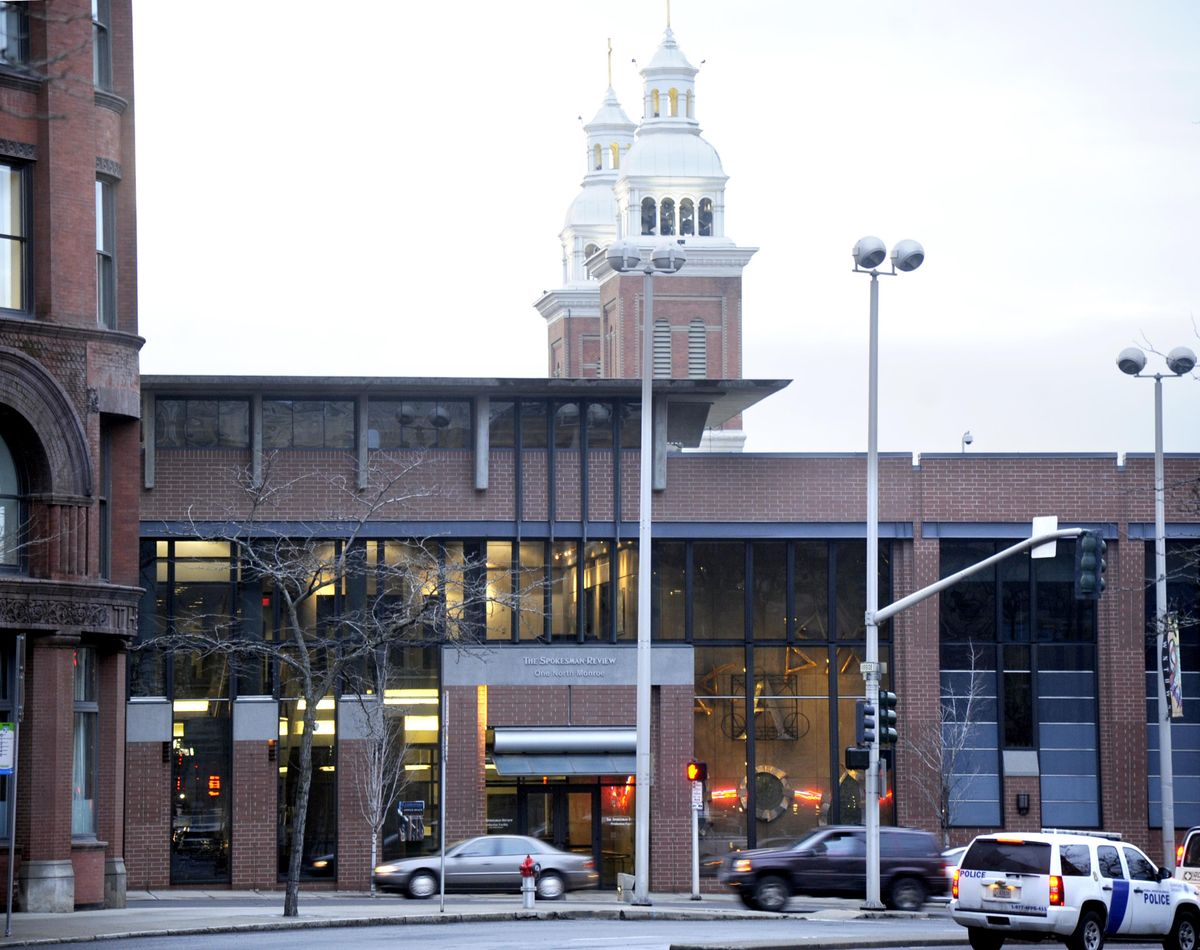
column 106, row 271
column 627, row 590
column 531, row 623
column 14, row 237
column 810, row 587
column 720, row 740
column 502, row 424
column 201, row 423
column 566, row 425
column 564, row 589
column 669, row 590
column 83, row 767
column 419, row 424
column 202, row 605
column 499, row 590
column 769, row 600
column 201, row 790
column 597, row 571
column 320, row 824
column 308, row 424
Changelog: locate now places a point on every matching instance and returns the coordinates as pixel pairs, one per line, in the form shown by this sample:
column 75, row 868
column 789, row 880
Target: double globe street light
column 1180, row 361
column 868, row 254
column 625, row 256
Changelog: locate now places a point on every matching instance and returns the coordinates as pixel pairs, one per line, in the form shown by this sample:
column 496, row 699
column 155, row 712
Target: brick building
column 69, row 408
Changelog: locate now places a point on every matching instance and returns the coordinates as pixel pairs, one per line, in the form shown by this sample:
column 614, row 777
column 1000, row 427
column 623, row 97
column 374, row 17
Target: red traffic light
column 697, row 771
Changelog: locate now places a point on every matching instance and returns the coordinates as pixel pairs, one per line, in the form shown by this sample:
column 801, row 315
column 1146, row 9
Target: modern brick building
column 69, row 408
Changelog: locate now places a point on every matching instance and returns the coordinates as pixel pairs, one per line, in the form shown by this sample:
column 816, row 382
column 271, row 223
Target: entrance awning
column 565, row 750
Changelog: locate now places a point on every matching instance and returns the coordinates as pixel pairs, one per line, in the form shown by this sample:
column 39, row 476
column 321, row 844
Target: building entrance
column 575, row 818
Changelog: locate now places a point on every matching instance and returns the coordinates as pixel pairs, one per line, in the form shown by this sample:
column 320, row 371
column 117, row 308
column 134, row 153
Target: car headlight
column 386, row 869
column 742, row 865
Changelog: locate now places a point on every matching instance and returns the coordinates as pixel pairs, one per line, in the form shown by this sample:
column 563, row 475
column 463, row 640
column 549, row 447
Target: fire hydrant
column 528, row 882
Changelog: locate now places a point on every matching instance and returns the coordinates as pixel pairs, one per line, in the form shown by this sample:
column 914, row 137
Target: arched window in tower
column 587, row 256
column 673, row 96
column 649, row 214
column 706, row 217
column 662, row 349
column 654, row 103
column 688, row 100
column 666, row 217
column 12, row 510
column 687, row 217
column 615, row 148
column 697, row 350
column 597, row 157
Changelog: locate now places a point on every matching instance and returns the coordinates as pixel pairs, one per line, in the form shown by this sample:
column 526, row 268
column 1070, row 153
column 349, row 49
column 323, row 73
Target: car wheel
column 748, row 900
column 421, row 885
column 907, row 894
column 1185, row 933
column 984, row 939
column 771, row 893
column 551, row 886
column 1089, row 933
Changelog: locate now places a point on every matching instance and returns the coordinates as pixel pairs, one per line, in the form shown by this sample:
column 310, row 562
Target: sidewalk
column 179, row 912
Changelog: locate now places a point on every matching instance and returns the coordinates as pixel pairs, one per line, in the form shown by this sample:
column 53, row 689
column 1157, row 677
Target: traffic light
column 697, row 771
column 864, row 722
column 887, row 717
column 1090, row 566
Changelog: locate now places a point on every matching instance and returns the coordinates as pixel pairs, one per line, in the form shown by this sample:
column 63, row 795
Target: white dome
column 594, row 206
column 672, row 154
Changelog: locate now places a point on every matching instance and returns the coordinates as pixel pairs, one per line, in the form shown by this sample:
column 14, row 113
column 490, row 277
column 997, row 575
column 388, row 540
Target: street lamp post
column 1180, row 361
column 624, row 256
column 868, row 254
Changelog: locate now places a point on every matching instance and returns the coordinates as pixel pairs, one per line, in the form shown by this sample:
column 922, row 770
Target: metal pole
column 871, row 666
column 695, row 853
column 19, row 710
column 442, row 794
column 1166, row 768
column 641, row 858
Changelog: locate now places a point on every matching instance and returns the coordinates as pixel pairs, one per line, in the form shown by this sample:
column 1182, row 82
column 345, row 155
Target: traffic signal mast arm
column 886, row 613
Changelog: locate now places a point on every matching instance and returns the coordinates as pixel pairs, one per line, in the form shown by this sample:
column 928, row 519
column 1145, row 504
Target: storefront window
column 670, row 602
column 202, row 606
column 597, row 570
column 83, row 771
column 627, row 590
column 499, row 590
column 320, row 826
column 531, row 623
column 200, row 792
column 719, row 712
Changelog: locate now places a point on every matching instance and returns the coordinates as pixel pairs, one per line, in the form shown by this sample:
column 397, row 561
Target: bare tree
column 416, row 598
column 945, row 773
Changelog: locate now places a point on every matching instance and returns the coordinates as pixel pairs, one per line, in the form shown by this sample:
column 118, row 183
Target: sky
column 377, row 188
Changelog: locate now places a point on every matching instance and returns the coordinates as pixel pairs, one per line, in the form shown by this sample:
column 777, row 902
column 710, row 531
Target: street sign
column 698, row 796
column 7, row 748
column 1044, row 524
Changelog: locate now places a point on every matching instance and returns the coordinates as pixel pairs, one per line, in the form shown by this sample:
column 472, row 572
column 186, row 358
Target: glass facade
column 1019, row 651
column 200, row 791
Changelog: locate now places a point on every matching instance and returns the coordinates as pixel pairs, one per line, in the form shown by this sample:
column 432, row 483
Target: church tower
column 668, row 185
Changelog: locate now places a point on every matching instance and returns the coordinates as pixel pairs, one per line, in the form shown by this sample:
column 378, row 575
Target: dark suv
column 833, row 861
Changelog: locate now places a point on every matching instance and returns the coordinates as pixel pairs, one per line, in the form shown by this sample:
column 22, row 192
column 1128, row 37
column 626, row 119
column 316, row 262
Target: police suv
column 1076, row 886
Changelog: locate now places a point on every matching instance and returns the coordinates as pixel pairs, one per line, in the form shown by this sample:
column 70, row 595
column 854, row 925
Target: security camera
column 1131, row 360
column 908, row 255
column 869, row 253
column 968, row 438
column 1181, row 361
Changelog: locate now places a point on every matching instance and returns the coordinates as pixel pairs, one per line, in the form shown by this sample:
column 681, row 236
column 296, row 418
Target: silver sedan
column 490, row 863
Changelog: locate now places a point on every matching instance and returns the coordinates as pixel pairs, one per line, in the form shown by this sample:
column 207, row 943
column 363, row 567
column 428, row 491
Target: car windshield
column 808, row 841
column 1022, row 857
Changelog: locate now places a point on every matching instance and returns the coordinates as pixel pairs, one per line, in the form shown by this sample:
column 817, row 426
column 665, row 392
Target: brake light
column 954, row 884
column 589, row 865
column 1056, row 891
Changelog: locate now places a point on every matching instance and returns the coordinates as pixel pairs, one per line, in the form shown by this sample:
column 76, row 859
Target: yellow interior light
column 190, row 705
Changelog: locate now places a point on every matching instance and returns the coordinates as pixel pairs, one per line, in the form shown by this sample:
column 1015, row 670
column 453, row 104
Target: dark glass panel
column 454, row 421
column 566, row 425
column 668, row 590
column 417, row 423
column 170, row 417
column 1015, row 604
column 319, row 853
column 851, row 586
column 202, row 426
column 719, row 728
column 1060, row 616
column 383, row 424
column 599, row 425
column 967, row 611
column 631, row 424
column 234, row 423
column 597, row 571
column 501, row 424
column 277, row 423
column 1018, row 698
column 718, row 590
column 811, row 588
column 770, row 590
column 308, row 424
column 533, row 425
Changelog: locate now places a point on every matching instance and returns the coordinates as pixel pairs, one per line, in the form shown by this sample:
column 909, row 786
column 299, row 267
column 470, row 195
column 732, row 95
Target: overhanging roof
column 570, row 750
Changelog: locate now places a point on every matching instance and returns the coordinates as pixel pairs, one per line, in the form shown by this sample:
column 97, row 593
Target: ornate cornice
column 112, row 101
column 106, row 166
column 11, row 149
column 42, row 606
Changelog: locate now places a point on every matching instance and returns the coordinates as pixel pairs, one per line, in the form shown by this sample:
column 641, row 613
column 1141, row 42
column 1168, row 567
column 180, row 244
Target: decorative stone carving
column 106, row 166
column 11, row 149
column 90, row 609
